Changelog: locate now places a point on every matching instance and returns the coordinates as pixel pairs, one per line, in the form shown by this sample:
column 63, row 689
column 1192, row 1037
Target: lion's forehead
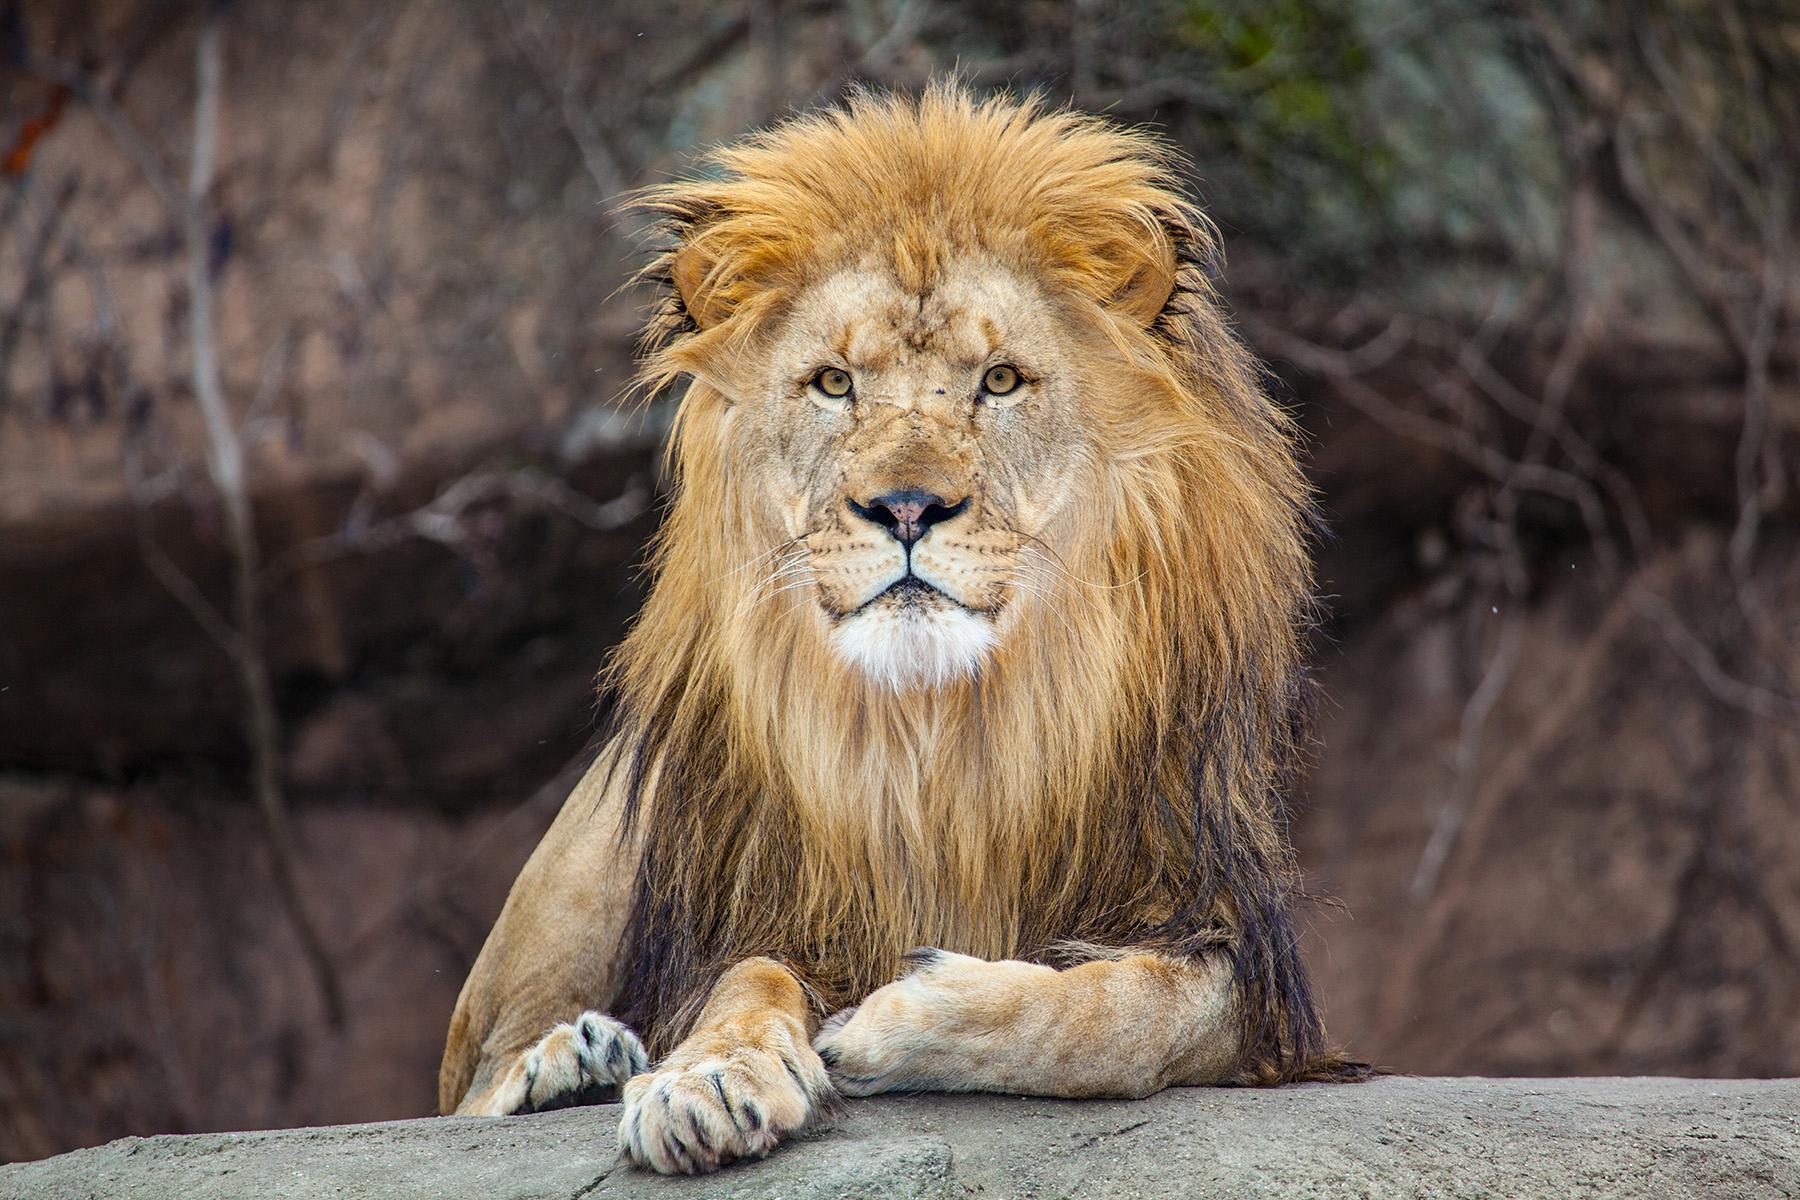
column 863, row 317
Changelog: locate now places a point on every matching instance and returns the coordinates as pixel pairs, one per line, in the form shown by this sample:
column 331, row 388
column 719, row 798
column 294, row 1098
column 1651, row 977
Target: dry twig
column 225, row 465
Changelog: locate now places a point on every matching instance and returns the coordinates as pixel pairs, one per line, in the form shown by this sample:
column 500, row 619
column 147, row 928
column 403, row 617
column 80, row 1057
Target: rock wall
column 1400, row 1136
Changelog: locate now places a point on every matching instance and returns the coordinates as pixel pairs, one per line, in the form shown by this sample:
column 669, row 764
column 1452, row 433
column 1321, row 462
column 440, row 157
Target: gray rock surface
column 1562, row 1138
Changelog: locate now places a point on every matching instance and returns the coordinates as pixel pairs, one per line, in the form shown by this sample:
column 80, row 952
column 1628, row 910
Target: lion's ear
column 697, row 335
column 1147, row 288
column 690, row 271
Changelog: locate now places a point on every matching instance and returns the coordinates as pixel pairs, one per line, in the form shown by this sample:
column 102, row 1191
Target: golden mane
column 1116, row 778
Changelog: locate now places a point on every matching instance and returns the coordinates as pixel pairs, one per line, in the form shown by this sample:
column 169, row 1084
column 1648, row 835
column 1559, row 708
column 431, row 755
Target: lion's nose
column 909, row 513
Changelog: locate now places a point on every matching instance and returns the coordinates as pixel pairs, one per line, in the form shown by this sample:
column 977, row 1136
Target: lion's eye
column 833, row 382
column 1000, row 380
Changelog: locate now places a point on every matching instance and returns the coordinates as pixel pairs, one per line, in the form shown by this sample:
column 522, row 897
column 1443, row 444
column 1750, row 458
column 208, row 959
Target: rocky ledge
column 1399, row 1136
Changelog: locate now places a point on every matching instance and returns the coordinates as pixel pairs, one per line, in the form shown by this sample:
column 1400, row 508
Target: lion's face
column 912, row 457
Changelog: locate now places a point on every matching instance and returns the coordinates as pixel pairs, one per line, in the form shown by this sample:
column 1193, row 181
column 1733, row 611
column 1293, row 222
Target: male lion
column 976, row 624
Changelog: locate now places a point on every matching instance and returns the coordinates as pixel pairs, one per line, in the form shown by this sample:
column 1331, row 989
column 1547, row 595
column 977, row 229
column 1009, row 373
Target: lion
column 950, row 746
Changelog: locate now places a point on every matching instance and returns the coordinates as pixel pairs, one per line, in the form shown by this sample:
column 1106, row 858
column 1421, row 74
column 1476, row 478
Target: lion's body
column 1066, row 743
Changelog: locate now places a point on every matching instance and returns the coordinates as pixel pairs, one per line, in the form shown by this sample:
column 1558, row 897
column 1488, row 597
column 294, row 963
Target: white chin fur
column 909, row 646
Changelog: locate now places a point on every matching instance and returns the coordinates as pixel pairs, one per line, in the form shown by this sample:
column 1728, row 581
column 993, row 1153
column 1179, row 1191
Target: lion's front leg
column 746, row 1077
column 1122, row 1027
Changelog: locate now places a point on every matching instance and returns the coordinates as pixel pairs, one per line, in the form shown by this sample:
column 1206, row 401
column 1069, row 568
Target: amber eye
column 833, row 382
column 999, row 380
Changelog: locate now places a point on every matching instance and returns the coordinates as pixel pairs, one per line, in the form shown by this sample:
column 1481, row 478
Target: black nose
column 908, row 514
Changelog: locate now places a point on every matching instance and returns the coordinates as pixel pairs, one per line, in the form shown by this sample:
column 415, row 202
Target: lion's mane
column 1116, row 777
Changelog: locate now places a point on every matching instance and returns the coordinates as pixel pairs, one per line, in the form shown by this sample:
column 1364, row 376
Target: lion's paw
column 717, row 1108
column 581, row 1062
column 917, row 1033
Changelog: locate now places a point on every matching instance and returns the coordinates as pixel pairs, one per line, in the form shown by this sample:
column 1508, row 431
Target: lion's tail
column 1333, row 1066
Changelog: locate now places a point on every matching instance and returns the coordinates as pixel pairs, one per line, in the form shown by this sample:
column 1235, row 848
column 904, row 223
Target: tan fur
column 1076, row 737
column 1122, row 1028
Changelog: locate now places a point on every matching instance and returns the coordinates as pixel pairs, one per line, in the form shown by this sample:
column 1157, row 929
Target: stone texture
column 1563, row 1138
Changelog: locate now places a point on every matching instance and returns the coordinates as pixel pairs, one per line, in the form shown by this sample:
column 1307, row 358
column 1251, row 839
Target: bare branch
column 1480, row 705
column 37, row 277
column 147, row 158
column 1584, row 672
column 1705, row 665
column 597, row 158
column 185, row 591
column 1341, row 372
column 444, row 520
column 225, row 463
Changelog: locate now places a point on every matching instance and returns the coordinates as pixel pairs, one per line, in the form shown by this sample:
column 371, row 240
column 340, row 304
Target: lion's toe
column 608, row 1049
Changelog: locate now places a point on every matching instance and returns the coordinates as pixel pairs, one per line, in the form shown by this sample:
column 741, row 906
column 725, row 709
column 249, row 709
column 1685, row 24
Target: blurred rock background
column 286, row 697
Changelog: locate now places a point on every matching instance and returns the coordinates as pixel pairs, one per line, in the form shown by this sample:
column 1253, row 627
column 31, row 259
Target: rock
column 1402, row 1136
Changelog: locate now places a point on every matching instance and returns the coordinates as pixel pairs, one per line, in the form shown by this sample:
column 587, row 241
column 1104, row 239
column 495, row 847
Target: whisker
column 1049, row 552
column 1036, row 589
column 1051, row 559
column 792, row 574
column 779, row 548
